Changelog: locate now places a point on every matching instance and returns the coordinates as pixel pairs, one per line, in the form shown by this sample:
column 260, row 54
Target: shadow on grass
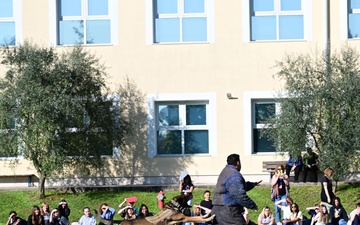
column 350, row 185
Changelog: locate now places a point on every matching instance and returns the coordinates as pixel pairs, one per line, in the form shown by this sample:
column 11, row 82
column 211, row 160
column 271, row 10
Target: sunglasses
column 103, row 208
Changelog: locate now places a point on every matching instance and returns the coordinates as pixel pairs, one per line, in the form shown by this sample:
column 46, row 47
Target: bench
column 28, row 176
column 269, row 166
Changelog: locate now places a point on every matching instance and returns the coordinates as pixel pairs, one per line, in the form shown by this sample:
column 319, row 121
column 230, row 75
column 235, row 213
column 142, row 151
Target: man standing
column 230, row 196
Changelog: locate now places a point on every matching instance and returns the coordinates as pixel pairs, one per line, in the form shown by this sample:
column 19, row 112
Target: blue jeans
column 277, row 209
column 342, row 222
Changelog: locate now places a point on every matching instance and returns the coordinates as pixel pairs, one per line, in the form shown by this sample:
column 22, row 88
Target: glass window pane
column 194, row 6
column 196, row 115
column 291, row 27
column 168, row 115
column 196, row 141
column 71, row 32
column 98, row 7
column 290, row 5
column 166, row 6
column 98, row 32
column 70, row 8
column 354, row 28
column 6, row 8
column 169, row 142
column 167, row 30
column 354, row 4
column 264, row 111
column 263, row 5
column 262, row 144
column 7, row 33
column 263, row 28
column 194, row 29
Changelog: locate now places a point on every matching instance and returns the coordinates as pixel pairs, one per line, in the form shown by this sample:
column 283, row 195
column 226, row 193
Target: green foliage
column 321, row 108
column 53, row 105
column 22, row 202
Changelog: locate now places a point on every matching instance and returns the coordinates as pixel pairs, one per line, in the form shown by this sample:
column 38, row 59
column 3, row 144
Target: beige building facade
column 204, row 67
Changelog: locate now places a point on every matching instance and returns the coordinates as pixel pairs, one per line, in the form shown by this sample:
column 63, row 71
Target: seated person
column 87, row 218
column 128, row 213
column 55, row 217
column 338, row 215
column 130, row 202
column 13, row 219
column 207, row 202
column 144, row 211
column 198, row 211
column 355, row 216
column 296, row 216
column 322, row 217
column 106, row 212
column 266, row 217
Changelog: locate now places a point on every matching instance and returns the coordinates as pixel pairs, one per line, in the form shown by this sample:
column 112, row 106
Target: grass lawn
column 22, row 201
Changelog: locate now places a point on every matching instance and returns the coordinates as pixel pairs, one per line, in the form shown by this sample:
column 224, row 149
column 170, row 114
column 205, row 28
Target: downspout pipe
column 327, row 36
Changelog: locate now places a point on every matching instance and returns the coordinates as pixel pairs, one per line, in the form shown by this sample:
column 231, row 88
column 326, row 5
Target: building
column 204, row 65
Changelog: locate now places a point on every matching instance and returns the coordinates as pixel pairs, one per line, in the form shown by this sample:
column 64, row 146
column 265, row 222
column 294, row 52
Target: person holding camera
column 280, row 189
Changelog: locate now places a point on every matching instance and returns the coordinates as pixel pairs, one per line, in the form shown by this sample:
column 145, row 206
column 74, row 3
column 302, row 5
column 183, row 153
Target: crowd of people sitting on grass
column 329, row 210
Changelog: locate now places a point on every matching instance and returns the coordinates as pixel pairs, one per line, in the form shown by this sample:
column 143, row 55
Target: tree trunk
column 42, row 185
column 335, row 188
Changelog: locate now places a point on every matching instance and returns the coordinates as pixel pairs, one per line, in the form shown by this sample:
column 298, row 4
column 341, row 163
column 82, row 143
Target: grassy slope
column 22, row 201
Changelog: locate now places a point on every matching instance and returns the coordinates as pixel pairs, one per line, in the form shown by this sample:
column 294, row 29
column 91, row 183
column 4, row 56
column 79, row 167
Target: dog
column 171, row 214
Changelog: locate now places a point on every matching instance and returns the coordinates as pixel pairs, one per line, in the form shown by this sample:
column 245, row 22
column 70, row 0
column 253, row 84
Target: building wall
column 228, row 64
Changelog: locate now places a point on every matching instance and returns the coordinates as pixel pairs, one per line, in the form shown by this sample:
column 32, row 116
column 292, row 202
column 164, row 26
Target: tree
column 54, row 105
column 320, row 108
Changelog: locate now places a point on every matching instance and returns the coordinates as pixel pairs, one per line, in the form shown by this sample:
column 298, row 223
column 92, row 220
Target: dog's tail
column 105, row 221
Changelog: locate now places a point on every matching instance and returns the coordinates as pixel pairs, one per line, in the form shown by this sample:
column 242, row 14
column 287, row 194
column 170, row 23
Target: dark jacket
column 231, row 189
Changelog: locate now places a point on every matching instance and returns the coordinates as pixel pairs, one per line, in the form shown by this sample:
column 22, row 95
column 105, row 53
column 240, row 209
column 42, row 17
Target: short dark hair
column 207, row 191
column 11, row 212
column 233, row 159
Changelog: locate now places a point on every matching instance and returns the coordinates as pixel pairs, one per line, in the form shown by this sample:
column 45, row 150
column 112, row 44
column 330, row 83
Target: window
column 181, row 125
column 258, row 107
column 7, row 125
column 88, row 131
column 353, row 19
column 267, row 20
column 86, row 22
column 262, row 111
column 10, row 22
column 180, row 21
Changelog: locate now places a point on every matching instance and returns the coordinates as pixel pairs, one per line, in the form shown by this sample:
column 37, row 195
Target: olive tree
column 55, row 110
column 320, row 108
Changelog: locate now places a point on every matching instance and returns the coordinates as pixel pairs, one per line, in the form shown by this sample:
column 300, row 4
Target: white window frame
column 17, row 18
column 306, row 11
column 150, row 28
column 344, row 20
column 54, row 22
column 115, row 99
column 185, row 97
column 249, row 118
column 116, row 150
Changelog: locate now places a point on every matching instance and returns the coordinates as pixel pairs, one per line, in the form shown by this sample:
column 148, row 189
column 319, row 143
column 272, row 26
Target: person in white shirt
column 296, row 216
column 286, row 210
column 266, row 217
column 87, row 218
